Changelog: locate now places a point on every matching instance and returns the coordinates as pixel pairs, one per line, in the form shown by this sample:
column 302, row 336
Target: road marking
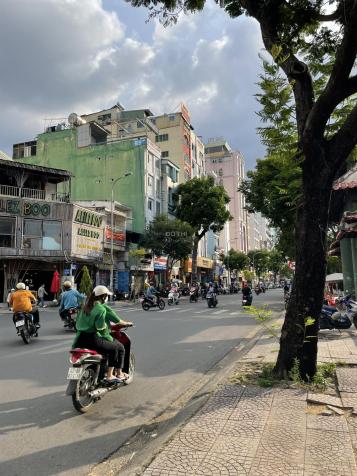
column 221, row 311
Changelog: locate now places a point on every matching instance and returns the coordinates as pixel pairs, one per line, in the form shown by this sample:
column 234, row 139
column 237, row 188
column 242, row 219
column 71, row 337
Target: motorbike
column 25, row 326
column 203, row 292
column 333, row 318
column 257, row 290
column 173, row 297
column 286, row 299
column 148, row 303
column 88, row 368
column 193, row 294
column 247, row 299
column 68, row 316
column 211, row 298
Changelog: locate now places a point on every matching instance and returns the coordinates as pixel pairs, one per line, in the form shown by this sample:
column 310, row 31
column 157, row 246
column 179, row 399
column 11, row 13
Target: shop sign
column 119, row 237
column 160, row 263
column 87, row 233
column 87, row 217
column 204, row 262
column 19, row 207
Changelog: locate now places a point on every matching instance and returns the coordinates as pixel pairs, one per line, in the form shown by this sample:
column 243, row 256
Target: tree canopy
column 203, row 205
column 172, row 238
column 235, row 260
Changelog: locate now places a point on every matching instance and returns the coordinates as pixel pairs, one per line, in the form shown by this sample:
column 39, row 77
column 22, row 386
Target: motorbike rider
column 152, row 293
column 22, row 300
column 93, row 331
column 247, row 292
column 70, row 298
column 286, row 288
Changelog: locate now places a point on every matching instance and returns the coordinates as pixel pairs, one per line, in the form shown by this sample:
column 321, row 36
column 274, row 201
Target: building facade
column 41, row 231
column 228, row 167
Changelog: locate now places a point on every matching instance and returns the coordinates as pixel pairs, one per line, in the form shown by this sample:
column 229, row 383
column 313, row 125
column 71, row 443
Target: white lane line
column 221, row 311
column 236, row 313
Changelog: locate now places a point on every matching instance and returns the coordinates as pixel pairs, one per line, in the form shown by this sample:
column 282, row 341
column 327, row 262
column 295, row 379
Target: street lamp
column 114, row 182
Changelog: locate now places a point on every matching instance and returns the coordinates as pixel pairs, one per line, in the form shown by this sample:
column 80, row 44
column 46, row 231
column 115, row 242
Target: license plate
column 74, row 373
column 20, row 323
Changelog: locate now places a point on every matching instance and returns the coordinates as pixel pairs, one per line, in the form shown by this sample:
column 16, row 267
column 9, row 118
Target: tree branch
column 339, row 85
column 343, row 142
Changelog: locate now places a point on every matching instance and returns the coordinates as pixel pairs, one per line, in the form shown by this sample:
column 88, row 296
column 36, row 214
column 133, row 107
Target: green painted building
column 95, row 160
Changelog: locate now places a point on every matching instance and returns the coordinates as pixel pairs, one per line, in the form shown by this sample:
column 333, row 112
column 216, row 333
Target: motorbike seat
column 79, row 350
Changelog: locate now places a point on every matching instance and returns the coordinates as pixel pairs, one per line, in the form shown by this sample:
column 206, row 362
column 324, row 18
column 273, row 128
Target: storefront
column 160, row 269
column 204, row 269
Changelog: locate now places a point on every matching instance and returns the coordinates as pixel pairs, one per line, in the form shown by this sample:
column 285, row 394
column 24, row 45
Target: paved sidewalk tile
column 255, row 431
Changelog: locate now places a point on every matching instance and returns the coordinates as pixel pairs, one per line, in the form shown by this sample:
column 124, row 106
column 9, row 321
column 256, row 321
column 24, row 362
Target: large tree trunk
column 299, row 341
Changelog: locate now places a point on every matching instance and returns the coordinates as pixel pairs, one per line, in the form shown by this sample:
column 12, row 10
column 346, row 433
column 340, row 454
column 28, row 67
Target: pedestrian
column 41, row 293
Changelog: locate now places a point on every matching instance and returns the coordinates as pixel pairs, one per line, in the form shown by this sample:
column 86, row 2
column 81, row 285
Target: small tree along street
column 291, row 29
column 235, row 260
column 203, row 205
column 172, row 238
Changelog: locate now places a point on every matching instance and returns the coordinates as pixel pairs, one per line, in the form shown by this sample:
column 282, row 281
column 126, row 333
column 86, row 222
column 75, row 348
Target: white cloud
column 73, row 55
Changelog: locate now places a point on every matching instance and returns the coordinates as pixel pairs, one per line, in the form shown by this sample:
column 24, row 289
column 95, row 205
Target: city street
column 41, row 432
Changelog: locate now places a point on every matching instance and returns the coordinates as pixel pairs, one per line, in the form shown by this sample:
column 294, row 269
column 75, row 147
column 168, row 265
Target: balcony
column 32, row 193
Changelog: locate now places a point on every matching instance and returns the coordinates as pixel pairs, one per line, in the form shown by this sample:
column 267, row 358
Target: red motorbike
column 88, row 369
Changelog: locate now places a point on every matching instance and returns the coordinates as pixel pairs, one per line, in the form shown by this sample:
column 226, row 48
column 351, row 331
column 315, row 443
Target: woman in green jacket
column 93, row 331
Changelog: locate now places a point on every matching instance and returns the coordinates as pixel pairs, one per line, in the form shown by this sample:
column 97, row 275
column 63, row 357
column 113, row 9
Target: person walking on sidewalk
column 41, row 293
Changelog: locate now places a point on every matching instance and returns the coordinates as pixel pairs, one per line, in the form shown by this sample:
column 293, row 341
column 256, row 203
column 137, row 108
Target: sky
column 63, row 56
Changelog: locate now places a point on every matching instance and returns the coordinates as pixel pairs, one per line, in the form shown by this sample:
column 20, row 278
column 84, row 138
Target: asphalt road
column 41, row 433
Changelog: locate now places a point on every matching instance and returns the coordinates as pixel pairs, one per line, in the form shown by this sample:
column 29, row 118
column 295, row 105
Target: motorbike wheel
column 131, row 370
column 81, row 399
column 209, row 303
column 161, row 304
column 25, row 335
column 145, row 306
column 169, row 302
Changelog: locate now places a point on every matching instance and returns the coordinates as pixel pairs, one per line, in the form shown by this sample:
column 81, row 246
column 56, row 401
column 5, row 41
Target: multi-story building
column 260, row 235
column 228, row 166
column 40, row 230
column 96, row 163
column 180, row 144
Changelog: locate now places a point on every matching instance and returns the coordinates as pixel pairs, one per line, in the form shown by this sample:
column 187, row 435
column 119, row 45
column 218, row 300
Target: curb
column 143, row 446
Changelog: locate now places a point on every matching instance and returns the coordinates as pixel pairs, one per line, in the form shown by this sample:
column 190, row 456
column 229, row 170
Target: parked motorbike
column 333, row 318
column 185, row 290
column 25, row 326
column 68, row 316
column 247, row 299
column 211, row 298
column 173, row 297
column 88, row 368
column 148, row 303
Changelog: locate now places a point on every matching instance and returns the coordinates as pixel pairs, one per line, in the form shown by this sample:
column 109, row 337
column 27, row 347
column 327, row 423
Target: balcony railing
column 32, row 193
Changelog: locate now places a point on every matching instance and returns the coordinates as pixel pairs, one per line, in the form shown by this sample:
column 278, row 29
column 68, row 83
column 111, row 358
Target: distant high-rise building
column 228, row 166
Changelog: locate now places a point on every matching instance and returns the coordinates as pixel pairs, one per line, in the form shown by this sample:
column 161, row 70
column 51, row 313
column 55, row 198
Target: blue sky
column 64, row 56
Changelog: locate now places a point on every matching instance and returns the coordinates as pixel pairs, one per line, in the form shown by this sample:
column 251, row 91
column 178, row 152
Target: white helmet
column 20, row 286
column 67, row 284
column 100, row 290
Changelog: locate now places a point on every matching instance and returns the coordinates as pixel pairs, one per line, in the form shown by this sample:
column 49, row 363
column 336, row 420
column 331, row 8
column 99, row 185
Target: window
column 7, row 232
column 172, row 117
column 149, row 181
column 149, row 204
column 139, row 124
column 105, row 118
column 42, row 234
column 220, row 160
column 164, row 153
column 158, row 208
column 162, row 138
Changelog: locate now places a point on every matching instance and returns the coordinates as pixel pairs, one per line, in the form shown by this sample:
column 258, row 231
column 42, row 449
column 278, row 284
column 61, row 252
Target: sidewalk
column 250, row 430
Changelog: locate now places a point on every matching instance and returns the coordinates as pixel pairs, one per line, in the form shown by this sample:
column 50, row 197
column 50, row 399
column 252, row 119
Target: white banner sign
column 87, row 233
